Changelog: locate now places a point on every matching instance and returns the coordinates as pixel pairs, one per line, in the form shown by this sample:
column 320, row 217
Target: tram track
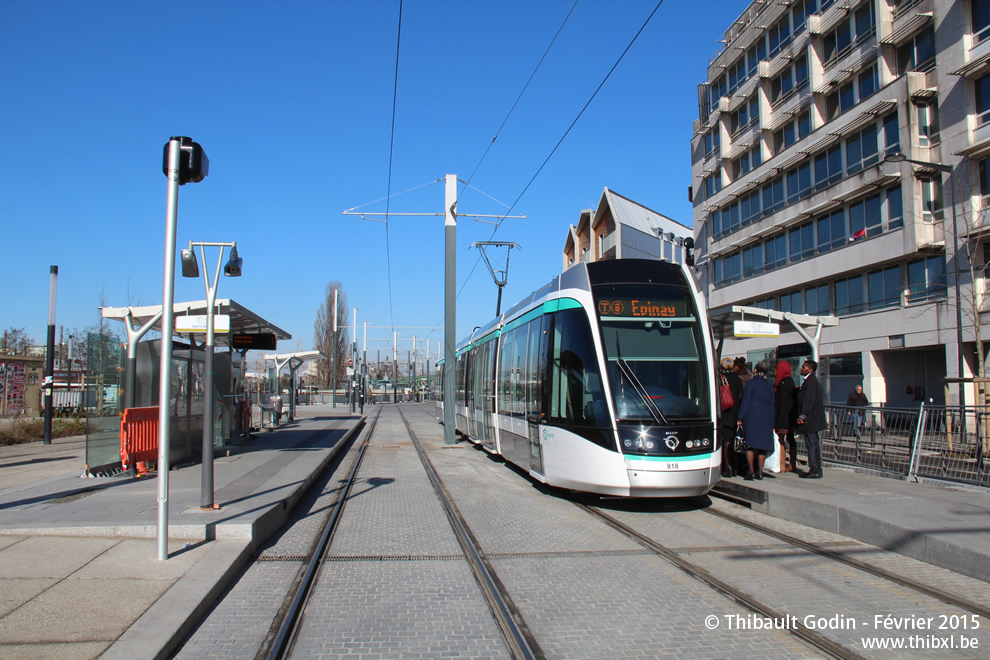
column 519, row 641
column 876, row 571
column 286, row 627
column 807, row 635
column 518, row 638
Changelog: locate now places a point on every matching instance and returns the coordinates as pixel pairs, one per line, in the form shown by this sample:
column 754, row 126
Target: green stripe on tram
column 669, row 457
column 548, row 307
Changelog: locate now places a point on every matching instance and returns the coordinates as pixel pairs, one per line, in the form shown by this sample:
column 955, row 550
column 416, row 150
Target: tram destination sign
column 639, row 307
column 264, row 341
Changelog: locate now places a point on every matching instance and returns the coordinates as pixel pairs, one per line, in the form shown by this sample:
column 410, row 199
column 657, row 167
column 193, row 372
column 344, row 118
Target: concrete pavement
column 79, row 574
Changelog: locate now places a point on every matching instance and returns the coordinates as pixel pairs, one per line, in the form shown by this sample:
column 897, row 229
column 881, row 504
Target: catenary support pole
column 449, row 306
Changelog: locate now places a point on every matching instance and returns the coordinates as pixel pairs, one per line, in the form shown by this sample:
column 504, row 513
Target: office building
column 803, row 201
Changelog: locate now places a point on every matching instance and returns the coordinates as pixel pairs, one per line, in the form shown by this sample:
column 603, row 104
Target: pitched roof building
column 620, row 228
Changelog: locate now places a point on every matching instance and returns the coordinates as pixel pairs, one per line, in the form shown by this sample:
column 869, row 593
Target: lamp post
column 950, row 170
column 184, row 162
column 190, row 268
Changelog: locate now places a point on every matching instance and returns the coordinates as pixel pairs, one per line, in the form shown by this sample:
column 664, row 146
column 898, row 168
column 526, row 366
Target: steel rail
column 518, row 638
column 289, row 629
column 817, row 640
column 881, row 573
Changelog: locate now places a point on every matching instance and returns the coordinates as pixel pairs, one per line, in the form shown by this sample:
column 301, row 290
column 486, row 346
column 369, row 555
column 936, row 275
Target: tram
column 601, row 381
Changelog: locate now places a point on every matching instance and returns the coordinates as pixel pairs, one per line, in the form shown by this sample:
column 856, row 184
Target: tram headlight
column 689, row 444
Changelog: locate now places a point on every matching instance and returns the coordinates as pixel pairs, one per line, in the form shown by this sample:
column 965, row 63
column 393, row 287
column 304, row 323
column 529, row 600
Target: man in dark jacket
column 731, row 461
column 811, row 418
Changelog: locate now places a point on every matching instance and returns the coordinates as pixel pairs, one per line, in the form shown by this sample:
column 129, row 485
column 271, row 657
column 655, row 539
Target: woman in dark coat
column 756, row 416
column 785, row 400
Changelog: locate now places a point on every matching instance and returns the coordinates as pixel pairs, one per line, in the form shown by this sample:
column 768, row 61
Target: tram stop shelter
column 722, row 317
column 236, row 327
column 294, row 360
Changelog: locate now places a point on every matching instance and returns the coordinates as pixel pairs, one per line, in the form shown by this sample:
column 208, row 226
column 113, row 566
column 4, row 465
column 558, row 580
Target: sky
column 293, row 104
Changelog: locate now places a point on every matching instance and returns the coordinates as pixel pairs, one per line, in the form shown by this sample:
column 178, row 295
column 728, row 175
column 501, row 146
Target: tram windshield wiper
column 637, row 385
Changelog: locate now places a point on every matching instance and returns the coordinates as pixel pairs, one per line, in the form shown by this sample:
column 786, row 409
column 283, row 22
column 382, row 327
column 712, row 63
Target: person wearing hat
column 731, row 461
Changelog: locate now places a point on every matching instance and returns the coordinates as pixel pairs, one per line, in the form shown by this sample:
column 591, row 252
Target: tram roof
column 242, row 320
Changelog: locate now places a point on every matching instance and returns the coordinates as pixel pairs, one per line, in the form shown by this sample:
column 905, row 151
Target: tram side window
column 533, row 384
column 519, row 342
column 577, row 395
column 505, row 373
column 460, row 365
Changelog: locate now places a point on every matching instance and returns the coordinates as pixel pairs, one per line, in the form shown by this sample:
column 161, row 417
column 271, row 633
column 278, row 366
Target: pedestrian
column 739, row 366
column 785, row 403
column 731, row 463
column 277, row 408
column 756, row 417
column 811, row 418
column 857, row 403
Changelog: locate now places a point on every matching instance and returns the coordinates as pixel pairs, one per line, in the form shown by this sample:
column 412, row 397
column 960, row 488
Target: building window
column 779, row 35
column 816, row 300
column 869, row 82
column 802, row 242
column 865, row 218
column 832, row 231
column 884, row 288
column 713, row 140
column 747, row 115
column 891, row 134
column 773, row 196
column 862, row 150
column 749, row 208
column 828, row 167
column 928, row 128
column 983, row 100
column 918, row 54
column 981, row 20
column 931, row 199
column 792, row 302
column 713, row 184
column 800, row 11
column 775, row 252
column 799, row 183
column 926, row 279
column 849, row 296
column 984, row 179
column 895, row 208
column 752, row 260
column 792, row 78
column 737, row 74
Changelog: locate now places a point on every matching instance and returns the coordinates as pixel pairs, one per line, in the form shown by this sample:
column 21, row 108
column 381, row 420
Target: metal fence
column 940, row 442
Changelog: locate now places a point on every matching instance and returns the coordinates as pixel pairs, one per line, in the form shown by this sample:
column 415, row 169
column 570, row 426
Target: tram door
column 539, row 334
column 486, row 371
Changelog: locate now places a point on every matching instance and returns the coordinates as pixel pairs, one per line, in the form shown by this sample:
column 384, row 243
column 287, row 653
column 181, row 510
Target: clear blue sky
column 293, row 105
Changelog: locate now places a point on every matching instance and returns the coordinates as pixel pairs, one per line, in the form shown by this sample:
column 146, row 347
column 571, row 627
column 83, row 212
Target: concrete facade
column 798, row 206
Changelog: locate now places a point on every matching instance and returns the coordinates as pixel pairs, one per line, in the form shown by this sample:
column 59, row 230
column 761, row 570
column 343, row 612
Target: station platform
column 80, row 578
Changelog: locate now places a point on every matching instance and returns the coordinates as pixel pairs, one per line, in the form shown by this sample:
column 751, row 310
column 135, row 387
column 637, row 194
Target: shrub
column 20, row 431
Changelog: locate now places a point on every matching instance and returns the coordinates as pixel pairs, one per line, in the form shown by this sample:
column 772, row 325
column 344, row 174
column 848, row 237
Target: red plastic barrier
column 139, row 437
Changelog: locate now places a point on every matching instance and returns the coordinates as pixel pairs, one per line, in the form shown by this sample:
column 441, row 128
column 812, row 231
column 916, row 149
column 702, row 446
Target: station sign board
column 755, row 329
column 197, row 323
column 264, row 341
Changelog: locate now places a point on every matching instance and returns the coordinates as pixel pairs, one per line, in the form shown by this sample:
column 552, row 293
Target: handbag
column 739, row 444
column 725, row 395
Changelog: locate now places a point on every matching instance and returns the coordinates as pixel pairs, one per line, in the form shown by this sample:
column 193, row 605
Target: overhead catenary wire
column 518, row 98
column 391, row 150
column 562, row 138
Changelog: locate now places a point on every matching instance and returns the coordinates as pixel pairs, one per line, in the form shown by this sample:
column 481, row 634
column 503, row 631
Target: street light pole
column 191, row 269
column 950, row 170
column 185, row 162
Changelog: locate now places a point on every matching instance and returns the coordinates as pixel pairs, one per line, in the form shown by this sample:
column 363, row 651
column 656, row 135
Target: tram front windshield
column 653, row 349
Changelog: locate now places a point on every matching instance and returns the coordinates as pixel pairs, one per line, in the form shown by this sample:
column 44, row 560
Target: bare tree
column 330, row 342
column 15, row 341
